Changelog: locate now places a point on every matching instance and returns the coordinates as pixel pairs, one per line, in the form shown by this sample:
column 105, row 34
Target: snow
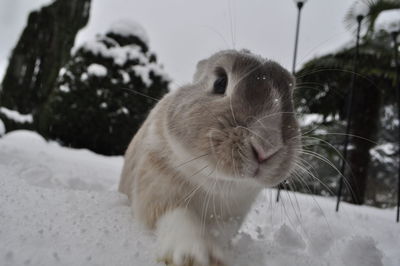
column 97, row 70
column 125, row 77
column 127, row 28
column 60, row 207
column 2, row 128
column 382, row 153
column 144, row 72
column 64, row 88
column 388, row 20
column 287, row 237
column 322, row 93
column 388, row 148
column 120, row 54
column 16, row 116
column 123, row 110
column 84, row 77
column 309, row 119
column 355, row 252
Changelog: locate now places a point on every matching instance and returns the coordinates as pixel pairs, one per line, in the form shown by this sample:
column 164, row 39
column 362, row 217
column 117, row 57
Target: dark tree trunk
column 364, row 126
column 43, row 48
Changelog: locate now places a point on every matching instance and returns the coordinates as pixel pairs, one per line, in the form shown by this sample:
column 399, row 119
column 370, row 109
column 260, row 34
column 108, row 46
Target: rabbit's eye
column 220, row 84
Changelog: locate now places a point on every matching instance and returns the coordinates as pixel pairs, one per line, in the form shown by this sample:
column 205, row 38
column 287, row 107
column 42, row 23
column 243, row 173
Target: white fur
column 180, row 155
column 180, row 237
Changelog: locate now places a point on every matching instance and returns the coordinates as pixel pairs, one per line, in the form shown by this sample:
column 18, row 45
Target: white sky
column 184, row 31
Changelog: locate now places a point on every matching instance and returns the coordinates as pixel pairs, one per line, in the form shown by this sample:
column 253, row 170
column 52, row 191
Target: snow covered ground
column 59, row 206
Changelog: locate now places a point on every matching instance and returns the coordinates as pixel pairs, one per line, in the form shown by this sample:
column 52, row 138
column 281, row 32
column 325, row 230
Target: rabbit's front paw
column 181, row 243
column 190, row 252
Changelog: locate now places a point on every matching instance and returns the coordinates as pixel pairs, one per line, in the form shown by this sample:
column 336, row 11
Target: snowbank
column 16, row 116
column 60, row 207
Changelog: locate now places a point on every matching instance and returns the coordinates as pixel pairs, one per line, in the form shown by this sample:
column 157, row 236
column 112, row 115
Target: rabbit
column 207, row 149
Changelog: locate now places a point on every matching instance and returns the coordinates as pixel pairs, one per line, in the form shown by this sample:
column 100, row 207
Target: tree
column 43, row 48
column 372, row 10
column 329, row 77
column 105, row 91
column 374, row 86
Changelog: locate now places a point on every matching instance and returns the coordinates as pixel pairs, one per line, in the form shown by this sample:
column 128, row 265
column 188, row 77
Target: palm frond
column 373, row 9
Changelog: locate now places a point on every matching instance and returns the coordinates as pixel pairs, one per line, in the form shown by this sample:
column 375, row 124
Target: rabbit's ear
column 200, row 70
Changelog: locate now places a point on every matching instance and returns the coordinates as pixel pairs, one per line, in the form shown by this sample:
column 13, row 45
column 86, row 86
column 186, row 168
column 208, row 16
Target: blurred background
column 86, row 73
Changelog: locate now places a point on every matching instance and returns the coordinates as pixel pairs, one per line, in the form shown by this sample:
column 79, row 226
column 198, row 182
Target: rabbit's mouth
column 263, row 160
column 245, row 154
column 273, row 169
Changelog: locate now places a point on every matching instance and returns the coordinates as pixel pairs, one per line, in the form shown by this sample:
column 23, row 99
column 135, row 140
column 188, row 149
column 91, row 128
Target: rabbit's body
column 207, row 149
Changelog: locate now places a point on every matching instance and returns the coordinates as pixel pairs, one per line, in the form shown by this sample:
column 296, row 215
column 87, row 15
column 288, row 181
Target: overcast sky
column 184, row 31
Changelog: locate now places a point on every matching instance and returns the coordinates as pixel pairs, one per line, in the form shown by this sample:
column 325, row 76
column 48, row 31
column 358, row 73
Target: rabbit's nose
column 262, row 154
column 259, row 153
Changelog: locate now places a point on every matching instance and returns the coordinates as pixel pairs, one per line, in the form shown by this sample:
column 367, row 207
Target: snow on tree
column 2, row 128
column 106, row 90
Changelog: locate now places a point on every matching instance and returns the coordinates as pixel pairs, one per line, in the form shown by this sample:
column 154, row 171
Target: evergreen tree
column 323, row 86
column 105, row 91
column 325, row 83
column 43, row 48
